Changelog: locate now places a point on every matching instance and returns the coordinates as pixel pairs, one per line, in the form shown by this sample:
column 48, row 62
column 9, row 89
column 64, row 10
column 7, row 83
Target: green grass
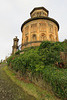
column 30, row 88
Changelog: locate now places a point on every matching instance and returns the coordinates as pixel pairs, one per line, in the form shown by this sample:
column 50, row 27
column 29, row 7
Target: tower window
column 43, row 37
column 34, row 38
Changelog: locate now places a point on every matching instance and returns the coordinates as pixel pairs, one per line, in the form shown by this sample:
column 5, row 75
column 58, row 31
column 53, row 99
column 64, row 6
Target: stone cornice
column 37, row 18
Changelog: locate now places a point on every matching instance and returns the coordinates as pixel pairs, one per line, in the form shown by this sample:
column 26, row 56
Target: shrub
column 41, row 60
column 18, row 52
column 9, row 60
column 58, row 80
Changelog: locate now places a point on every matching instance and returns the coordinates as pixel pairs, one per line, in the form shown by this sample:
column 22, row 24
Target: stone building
column 15, row 45
column 39, row 28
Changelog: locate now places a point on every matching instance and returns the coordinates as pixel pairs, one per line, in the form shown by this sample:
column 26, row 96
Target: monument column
column 15, row 45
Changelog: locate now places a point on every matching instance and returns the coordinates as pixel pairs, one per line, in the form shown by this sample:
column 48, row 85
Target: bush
column 57, row 79
column 18, row 52
column 9, row 60
column 50, row 52
column 41, row 60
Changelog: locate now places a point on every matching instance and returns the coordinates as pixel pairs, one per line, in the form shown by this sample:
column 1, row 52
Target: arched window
column 26, row 39
column 34, row 38
column 51, row 38
column 43, row 37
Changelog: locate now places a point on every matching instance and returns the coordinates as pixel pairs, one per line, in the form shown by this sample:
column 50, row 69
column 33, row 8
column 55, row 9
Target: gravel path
column 9, row 90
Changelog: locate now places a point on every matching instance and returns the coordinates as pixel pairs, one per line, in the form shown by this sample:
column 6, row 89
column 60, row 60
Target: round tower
column 39, row 28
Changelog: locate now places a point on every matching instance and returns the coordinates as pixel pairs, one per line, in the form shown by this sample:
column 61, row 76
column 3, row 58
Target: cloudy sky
column 14, row 12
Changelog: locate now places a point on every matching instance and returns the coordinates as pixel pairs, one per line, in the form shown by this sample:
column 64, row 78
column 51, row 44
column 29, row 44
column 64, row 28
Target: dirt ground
column 9, row 90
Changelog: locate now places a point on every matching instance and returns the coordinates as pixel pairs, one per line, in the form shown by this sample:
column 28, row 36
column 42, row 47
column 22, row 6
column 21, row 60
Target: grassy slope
column 9, row 90
column 30, row 88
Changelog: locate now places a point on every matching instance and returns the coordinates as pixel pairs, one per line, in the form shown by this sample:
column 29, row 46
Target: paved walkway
column 9, row 90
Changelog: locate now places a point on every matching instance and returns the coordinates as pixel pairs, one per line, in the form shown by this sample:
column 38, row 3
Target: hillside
column 43, row 62
column 9, row 90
